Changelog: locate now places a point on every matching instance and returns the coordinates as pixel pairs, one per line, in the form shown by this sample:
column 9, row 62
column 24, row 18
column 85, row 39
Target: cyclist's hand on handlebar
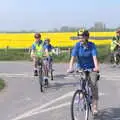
column 70, row 71
column 33, row 55
column 95, row 69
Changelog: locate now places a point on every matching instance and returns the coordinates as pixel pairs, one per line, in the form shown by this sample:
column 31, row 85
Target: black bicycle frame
column 86, row 89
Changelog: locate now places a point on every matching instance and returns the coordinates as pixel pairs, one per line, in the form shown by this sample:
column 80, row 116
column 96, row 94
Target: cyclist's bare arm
column 116, row 43
column 96, row 63
column 46, row 53
column 32, row 53
column 71, row 62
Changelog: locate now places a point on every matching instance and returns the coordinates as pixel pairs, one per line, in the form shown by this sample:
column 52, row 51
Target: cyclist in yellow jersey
column 37, row 51
column 115, row 46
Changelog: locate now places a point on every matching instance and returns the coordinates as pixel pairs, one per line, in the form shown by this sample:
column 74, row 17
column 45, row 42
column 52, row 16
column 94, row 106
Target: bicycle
column 82, row 98
column 43, row 83
column 50, row 68
column 116, row 54
column 112, row 59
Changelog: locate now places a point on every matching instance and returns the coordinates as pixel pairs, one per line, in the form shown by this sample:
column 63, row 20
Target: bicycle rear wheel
column 79, row 106
column 111, row 58
column 118, row 59
column 51, row 71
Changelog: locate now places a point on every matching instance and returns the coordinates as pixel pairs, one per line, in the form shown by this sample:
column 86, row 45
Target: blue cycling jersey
column 48, row 47
column 84, row 54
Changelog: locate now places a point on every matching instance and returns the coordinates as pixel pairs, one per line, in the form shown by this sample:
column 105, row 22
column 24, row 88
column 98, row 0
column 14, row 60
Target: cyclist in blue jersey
column 86, row 54
column 79, row 33
column 49, row 50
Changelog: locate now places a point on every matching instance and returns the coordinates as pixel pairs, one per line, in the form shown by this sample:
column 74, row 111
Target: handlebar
column 82, row 70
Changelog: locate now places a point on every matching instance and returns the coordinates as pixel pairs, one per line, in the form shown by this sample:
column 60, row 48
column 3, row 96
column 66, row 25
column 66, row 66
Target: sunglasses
column 37, row 37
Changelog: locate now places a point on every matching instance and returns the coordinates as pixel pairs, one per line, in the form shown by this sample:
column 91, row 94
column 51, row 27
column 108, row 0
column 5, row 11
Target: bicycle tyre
column 85, row 108
column 51, row 72
column 41, row 84
column 111, row 59
column 41, row 79
column 118, row 59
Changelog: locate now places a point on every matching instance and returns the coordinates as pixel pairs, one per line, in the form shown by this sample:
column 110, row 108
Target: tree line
column 97, row 27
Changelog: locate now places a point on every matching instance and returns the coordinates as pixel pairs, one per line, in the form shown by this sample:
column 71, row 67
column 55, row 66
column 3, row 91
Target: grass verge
column 2, row 84
column 21, row 54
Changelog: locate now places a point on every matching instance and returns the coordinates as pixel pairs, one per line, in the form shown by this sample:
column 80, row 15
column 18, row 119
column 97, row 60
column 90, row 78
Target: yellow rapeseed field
column 25, row 40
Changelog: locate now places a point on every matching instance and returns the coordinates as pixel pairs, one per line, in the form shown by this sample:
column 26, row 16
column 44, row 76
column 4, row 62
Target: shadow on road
column 63, row 82
column 109, row 114
column 59, row 85
column 60, row 76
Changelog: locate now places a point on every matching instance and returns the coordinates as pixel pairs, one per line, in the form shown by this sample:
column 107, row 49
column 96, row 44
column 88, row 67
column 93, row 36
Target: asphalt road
column 22, row 99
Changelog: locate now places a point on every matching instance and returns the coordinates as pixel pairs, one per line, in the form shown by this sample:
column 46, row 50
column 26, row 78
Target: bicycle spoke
column 79, row 106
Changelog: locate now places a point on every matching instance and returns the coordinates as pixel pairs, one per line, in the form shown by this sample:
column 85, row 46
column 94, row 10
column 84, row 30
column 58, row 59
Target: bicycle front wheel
column 41, row 79
column 79, row 106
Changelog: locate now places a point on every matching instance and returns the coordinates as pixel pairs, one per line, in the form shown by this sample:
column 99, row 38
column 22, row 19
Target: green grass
column 2, row 84
column 14, row 54
column 103, row 53
column 21, row 54
column 63, row 57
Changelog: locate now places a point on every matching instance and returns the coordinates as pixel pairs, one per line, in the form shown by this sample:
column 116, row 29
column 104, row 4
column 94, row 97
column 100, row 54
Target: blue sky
column 18, row 15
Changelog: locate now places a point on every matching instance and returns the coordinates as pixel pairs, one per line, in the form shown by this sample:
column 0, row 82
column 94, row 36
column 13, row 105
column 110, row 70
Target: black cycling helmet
column 79, row 33
column 83, row 33
column 37, row 35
